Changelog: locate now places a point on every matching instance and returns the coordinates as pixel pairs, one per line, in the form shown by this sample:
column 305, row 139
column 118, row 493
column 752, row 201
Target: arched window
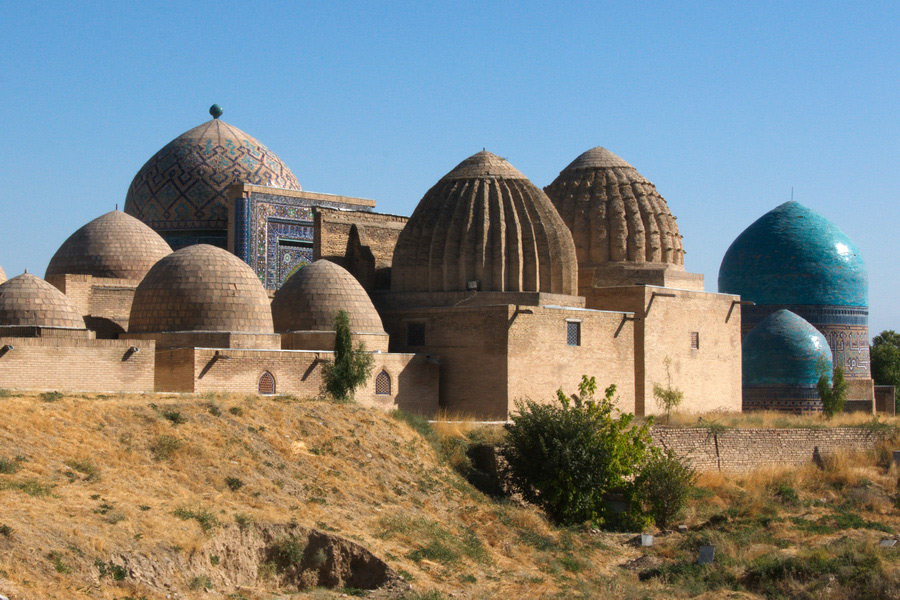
column 383, row 384
column 267, row 384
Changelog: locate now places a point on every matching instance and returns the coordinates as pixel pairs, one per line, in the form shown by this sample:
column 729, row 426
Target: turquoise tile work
column 793, row 255
column 784, row 349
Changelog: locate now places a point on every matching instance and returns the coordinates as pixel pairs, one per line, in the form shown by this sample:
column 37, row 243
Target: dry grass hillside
column 243, row 497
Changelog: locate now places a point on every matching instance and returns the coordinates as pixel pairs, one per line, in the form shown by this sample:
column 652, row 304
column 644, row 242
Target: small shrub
column 204, row 518
column 233, row 483
column 58, row 564
column 287, row 554
column 667, row 397
column 165, row 447
column 664, row 485
column 175, row 417
column 832, row 388
column 243, row 521
column 785, row 493
column 569, row 457
column 200, row 582
column 108, row 569
column 9, row 466
column 85, row 467
column 51, row 396
column 6, row 531
column 350, row 367
column 32, row 487
column 236, row 411
column 213, row 409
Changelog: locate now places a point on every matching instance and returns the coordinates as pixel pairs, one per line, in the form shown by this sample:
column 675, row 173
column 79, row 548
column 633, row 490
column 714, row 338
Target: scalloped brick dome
column 30, row 301
column 793, row 255
column 182, row 187
column 114, row 245
column 485, row 221
column 614, row 213
column 201, row 288
column 784, row 349
column 309, row 300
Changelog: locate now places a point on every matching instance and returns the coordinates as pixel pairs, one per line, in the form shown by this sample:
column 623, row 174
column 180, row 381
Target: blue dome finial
column 216, row 111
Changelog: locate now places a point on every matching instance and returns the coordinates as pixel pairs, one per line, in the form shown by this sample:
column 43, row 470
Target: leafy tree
column 667, row 397
column 569, row 456
column 886, row 358
column 663, row 486
column 832, row 393
column 350, row 367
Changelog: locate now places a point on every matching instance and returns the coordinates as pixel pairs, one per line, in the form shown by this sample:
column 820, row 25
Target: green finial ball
column 216, row 111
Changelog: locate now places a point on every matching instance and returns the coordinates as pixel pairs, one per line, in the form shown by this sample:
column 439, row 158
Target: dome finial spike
column 216, row 111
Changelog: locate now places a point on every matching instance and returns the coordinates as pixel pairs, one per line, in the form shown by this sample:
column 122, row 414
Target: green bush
column 663, row 486
column 570, row 456
column 350, row 367
column 833, row 393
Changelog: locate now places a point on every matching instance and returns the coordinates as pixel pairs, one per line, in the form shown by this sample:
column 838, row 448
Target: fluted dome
column 29, row 301
column 614, row 213
column 793, row 255
column 113, row 245
column 182, row 187
column 201, row 288
column 484, row 221
column 784, row 349
column 309, row 300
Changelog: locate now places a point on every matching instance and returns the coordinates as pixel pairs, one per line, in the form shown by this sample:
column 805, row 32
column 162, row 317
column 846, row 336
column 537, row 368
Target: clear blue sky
column 724, row 106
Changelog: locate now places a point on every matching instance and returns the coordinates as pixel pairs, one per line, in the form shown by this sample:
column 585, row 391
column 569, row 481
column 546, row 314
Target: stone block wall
column 71, row 364
column 742, row 450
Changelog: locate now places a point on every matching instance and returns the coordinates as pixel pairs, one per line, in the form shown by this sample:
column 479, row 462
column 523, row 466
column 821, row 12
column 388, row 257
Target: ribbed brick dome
column 614, row 213
column 309, row 300
column 183, row 186
column 485, row 221
column 30, row 301
column 201, row 288
column 113, row 245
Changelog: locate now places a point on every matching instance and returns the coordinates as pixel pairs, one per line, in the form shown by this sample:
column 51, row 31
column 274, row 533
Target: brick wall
column 738, row 450
column 332, row 231
column 414, row 379
column 70, row 364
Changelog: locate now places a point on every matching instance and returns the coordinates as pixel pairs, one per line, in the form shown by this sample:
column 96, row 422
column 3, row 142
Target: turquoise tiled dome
column 784, row 349
column 793, row 255
column 182, row 187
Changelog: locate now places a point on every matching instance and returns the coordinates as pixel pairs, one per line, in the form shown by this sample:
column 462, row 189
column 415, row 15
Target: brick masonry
column 742, row 450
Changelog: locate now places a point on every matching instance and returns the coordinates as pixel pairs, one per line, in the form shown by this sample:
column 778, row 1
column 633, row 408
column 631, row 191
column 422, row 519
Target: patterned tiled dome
column 793, row 255
column 182, row 187
column 309, row 300
column 201, row 288
column 114, row 245
column 485, row 221
column 30, row 301
column 784, row 349
column 614, row 213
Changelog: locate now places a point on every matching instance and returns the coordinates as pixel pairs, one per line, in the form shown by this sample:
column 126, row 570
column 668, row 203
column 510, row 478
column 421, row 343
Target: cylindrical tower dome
column 793, row 258
column 782, row 359
column 485, row 223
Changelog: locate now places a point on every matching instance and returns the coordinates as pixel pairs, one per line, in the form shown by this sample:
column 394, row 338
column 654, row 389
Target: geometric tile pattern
column 183, row 186
column 113, row 245
column 311, row 298
column 27, row 300
column 201, row 288
column 274, row 234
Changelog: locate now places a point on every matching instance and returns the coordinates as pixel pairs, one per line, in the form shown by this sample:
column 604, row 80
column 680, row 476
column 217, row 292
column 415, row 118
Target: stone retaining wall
column 738, row 450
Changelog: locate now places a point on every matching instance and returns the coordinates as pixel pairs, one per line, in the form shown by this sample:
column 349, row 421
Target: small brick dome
column 201, row 288
column 784, row 349
column 614, row 213
column 309, row 300
column 113, row 245
column 30, row 301
column 183, row 186
column 793, row 255
column 485, row 221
